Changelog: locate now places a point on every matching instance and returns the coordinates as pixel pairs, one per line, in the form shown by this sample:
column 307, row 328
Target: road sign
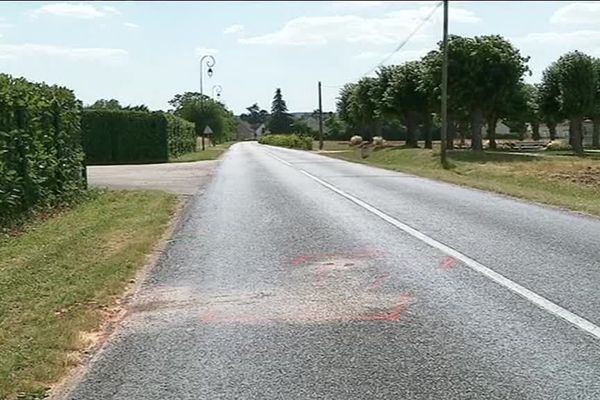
column 207, row 130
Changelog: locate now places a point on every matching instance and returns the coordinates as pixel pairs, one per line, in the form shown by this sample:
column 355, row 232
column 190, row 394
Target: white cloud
column 383, row 30
column 131, row 25
column 74, row 10
column 355, row 5
column 404, row 55
column 201, row 51
column 577, row 14
column 13, row 51
column 585, row 40
column 233, row 29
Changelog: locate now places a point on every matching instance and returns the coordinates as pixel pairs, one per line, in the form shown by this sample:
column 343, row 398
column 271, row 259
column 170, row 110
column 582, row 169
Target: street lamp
column 210, row 63
column 217, row 89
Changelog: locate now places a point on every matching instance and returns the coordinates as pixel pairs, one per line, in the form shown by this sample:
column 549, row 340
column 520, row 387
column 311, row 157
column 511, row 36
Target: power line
column 401, row 45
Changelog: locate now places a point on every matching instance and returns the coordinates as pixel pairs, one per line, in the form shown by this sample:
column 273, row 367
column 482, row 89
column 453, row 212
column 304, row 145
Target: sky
column 146, row 52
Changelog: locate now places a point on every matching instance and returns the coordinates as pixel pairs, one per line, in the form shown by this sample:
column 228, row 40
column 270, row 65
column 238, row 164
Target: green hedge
column 41, row 158
column 291, row 141
column 181, row 135
column 124, row 136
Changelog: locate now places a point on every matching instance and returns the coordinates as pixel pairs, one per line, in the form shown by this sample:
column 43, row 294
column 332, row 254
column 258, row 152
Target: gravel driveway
column 179, row 178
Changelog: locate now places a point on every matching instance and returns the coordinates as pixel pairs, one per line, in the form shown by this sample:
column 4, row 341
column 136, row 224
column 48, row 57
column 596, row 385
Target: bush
column 41, row 159
column 125, row 136
column 558, row 144
column 356, row 140
column 290, row 141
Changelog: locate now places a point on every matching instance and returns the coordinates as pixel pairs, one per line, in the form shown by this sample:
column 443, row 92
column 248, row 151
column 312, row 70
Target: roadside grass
column 569, row 182
column 210, row 153
column 61, row 276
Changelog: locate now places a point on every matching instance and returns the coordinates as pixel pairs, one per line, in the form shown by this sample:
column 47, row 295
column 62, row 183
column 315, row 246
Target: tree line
column 485, row 85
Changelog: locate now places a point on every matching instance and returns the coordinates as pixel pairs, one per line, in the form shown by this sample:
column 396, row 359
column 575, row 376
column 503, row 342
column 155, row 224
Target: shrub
column 41, row 159
column 558, row 144
column 356, row 140
column 290, row 141
column 125, row 136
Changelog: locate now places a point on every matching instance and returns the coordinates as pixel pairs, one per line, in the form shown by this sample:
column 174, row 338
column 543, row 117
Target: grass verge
column 210, row 153
column 568, row 182
column 60, row 276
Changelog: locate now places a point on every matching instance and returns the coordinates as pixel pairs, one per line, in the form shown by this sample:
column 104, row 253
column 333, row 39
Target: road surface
column 297, row 276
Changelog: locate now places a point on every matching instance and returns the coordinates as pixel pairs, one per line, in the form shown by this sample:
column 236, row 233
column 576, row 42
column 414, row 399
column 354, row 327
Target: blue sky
column 145, row 52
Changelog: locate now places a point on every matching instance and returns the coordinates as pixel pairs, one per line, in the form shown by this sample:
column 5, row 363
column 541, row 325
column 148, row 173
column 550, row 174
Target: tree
column 256, row 116
column 596, row 109
column 523, row 108
column 367, row 106
column 279, row 121
column 345, row 106
column 334, row 128
column 404, row 94
column 577, row 82
column 112, row 104
column 300, row 127
column 141, row 107
column 205, row 113
column 548, row 99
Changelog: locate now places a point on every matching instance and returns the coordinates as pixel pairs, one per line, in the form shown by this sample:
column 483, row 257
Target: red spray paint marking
column 299, row 260
column 393, row 313
column 447, row 263
column 363, row 253
column 208, row 316
column 378, row 281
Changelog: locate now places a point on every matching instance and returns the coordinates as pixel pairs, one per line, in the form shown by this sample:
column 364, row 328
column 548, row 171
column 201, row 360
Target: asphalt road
column 296, row 276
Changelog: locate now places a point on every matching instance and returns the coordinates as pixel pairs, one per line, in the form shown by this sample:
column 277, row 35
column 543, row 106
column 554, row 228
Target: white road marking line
column 533, row 297
column 279, row 159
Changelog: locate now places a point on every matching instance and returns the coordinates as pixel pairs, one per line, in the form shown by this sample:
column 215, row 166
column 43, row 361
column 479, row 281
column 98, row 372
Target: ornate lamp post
column 210, row 63
column 216, row 92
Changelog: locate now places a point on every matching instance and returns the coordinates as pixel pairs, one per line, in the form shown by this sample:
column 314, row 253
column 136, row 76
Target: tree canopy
column 204, row 111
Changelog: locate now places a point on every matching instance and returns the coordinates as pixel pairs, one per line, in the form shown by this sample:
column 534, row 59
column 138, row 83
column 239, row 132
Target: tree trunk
column 596, row 132
column 572, row 132
column 411, row 127
column 552, row 129
column 535, row 131
column 427, row 123
column 378, row 127
column 450, row 134
column 476, row 142
column 461, row 129
column 577, row 134
column 491, row 131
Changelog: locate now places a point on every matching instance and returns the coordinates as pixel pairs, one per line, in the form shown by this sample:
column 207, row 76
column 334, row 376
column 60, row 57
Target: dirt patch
column 587, row 176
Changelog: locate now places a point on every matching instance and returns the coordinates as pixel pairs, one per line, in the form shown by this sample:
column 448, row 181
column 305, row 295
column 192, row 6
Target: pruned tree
column 404, row 95
column 577, row 81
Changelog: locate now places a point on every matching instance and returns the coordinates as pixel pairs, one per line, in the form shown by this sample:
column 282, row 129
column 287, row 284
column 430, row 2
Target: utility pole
column 444, row 130
column 320, row 119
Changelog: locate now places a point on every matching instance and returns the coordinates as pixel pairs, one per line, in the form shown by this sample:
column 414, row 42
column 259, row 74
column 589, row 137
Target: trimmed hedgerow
column 41, row 158
column 124, row 136
column 291, row 141
column 181, row 135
